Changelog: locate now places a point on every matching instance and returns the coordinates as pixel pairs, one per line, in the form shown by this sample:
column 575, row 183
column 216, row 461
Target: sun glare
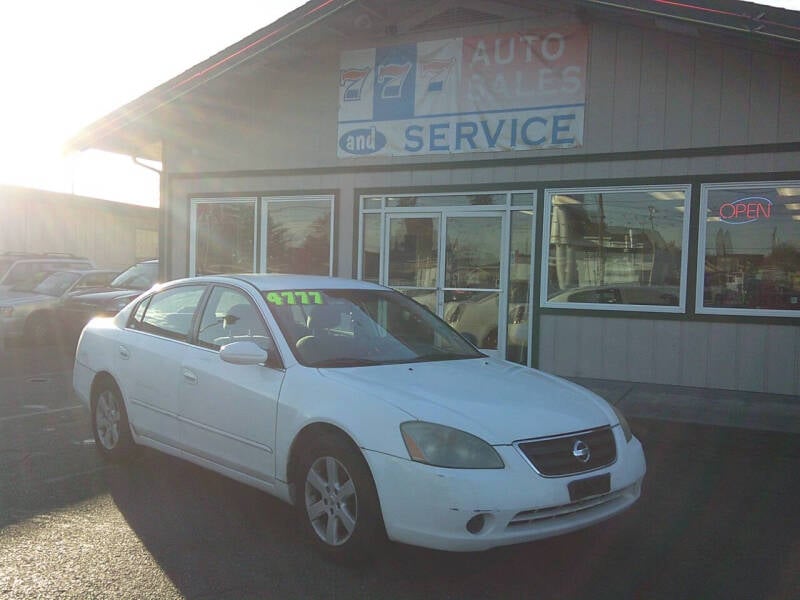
column 67, row 64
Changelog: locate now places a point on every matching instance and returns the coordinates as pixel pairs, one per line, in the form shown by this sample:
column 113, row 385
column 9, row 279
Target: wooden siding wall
column 111, row 234
column 741, row 356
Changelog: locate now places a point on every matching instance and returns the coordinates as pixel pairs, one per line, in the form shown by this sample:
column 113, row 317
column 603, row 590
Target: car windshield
column 5, row 265
column 56, row 284
column 347, row 328
column 138, row 277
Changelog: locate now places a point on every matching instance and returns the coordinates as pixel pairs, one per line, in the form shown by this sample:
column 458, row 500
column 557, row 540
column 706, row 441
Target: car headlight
column 442, row 446
column 623, row 422
column 6, row 311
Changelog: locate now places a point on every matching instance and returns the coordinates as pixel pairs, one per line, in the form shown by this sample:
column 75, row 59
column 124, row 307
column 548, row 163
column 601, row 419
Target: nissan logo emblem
column 581, row 451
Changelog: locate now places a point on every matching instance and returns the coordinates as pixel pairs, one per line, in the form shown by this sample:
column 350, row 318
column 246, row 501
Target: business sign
column 514, row 91
column 745, row 210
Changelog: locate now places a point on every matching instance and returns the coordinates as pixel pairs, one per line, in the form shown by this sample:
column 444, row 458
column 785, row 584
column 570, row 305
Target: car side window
column 230, row 316
column 20, row 273
column 169, row 313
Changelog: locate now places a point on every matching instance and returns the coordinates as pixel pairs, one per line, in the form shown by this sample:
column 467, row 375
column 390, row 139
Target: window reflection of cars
column 80, row 307
column 476, row 316
column 29, row 309
column 621, row 294
column 361, row 408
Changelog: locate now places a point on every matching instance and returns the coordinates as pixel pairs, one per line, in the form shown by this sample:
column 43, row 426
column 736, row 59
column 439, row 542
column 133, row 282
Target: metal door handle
column 123, row 352
column 189, row 376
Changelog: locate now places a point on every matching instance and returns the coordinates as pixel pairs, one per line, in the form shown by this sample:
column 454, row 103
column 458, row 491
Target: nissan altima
column 360, row 407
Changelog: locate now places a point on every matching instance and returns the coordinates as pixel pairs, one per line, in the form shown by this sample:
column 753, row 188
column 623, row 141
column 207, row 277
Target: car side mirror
column 243, row 353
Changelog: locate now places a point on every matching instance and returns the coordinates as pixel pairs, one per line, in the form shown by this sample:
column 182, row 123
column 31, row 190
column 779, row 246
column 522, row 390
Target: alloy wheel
column 331, row 501
column 107, row 419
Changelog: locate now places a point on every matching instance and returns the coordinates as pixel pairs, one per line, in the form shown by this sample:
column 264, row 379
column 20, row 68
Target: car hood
column 499, row 401
column 101, row 295
column 12, row 298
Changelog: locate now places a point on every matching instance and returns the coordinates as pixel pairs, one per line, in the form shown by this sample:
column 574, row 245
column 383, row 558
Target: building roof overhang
column 135, row 128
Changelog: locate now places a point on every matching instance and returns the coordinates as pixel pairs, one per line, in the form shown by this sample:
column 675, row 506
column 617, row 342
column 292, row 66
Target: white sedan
column 360, row 407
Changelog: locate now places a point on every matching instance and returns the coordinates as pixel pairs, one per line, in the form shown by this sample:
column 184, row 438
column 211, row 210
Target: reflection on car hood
column 12, row 298
column 498, row 401
column 101, row 295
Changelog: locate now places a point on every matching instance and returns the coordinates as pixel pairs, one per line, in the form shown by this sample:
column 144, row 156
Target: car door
column 149, row 357
column 228, row 411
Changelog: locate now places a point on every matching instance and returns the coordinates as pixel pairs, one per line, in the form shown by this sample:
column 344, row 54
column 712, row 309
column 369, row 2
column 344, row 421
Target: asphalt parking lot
column 718, row 519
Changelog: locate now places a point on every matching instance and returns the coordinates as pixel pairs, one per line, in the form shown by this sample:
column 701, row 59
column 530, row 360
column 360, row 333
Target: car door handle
column 189, row 376
column 123, row 352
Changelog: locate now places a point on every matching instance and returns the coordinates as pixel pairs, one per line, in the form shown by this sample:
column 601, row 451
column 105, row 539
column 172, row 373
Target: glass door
column 472, row 279
column 412, row 257
column 453, row 263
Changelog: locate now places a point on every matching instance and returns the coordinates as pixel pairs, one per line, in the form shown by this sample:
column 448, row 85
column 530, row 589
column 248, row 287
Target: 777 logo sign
column 391, row 78
column 437, row 71
column 352, row 80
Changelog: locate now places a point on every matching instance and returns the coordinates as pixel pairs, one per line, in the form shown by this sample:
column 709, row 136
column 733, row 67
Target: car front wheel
column 337, row 502
column 112, row 434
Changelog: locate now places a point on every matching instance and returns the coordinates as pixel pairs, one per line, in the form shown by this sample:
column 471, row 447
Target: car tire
column 110, row 426
column 337, row 503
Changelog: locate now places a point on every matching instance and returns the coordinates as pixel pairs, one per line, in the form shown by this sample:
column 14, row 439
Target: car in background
column 359, row 406
column 29, row 310
column 80, row 307
column 19, row 268
column 630, row 293
column 475, row 317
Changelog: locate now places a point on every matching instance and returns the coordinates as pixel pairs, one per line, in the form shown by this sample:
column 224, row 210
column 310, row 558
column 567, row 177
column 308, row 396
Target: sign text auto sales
column 515, row 91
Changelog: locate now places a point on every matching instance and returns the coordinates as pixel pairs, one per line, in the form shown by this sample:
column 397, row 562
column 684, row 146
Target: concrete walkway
column 722, row 408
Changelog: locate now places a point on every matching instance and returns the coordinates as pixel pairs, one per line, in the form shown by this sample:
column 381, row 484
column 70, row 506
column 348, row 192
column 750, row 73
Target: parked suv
column 78, row 308
column 21, row 267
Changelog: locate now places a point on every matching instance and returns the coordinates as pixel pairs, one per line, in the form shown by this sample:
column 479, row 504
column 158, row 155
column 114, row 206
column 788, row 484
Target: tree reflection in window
column 299, row 236
column 224, row 238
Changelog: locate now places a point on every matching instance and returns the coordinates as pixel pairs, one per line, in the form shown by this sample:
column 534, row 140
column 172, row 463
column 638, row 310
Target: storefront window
column 224, row 236
column 298, row 235
column 616, row 248
column 750, row 249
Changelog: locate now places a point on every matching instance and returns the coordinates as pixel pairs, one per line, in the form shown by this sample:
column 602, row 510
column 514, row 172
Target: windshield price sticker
column 294, row 297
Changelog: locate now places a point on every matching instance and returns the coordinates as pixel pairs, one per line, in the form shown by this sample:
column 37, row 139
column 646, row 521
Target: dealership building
column 599, row 189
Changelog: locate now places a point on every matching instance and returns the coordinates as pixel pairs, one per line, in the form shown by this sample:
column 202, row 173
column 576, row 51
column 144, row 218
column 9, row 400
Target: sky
column 67, row 63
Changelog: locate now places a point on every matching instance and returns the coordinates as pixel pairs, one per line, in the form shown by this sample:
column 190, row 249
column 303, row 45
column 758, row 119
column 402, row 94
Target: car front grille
column 571, row 454
column 530, row 518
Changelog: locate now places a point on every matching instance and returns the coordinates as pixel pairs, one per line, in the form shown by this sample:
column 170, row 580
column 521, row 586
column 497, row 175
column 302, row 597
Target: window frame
column 549, row 193
column 699, row 308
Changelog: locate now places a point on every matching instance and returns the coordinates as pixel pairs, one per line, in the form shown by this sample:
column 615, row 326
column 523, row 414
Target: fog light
column 476, row 523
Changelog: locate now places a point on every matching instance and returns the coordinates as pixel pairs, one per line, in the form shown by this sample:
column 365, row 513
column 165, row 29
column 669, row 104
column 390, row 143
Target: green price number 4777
column 294, row 297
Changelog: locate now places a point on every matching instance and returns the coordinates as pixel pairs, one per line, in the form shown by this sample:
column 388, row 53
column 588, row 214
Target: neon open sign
column 746, row 210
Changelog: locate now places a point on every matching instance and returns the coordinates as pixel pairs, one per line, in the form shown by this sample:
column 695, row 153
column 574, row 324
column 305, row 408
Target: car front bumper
column 12, row 327
column 431, row 507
